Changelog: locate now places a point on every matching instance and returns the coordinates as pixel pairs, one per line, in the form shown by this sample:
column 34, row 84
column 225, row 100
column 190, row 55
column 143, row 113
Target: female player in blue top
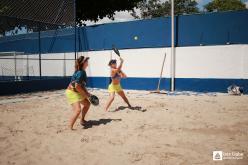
column 77, row 93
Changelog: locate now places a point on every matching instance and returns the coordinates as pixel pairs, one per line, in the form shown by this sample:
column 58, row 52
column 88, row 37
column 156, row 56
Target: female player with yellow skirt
column 77, row 93
column 115, row 86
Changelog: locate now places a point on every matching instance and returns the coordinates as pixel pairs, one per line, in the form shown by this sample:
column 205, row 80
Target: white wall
column 212, row 61
column 229, row 61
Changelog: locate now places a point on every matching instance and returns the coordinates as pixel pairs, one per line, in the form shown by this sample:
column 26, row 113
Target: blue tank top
column 79, row 77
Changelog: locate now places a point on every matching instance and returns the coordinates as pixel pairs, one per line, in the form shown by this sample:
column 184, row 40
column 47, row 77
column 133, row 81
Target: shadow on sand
column 136, row 108
column 91, row 123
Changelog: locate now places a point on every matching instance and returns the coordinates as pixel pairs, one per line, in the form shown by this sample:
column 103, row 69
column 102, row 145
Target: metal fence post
column 75, row 29
column 39, row 53
column 172, row 48
column 3, row 77
column 27, row 68
column 15, row 65
column 64, row 65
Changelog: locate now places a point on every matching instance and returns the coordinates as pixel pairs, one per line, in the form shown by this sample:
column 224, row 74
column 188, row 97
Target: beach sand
column 180, row 129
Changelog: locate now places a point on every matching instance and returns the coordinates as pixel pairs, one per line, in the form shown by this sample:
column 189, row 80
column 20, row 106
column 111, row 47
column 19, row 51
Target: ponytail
column 79, row 63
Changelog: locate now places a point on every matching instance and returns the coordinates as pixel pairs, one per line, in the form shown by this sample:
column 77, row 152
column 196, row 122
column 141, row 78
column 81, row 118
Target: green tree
column 46, row 11
column 92, row 10
column 97, row 9
column 224, row 5
column 156, row 8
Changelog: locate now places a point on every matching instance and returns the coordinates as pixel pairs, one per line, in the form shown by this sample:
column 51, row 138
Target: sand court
column 163, row 129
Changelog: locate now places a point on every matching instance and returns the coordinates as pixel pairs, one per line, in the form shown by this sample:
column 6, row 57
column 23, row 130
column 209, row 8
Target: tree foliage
column 97, row 9
column 30, row 13
column 157, row 8
column 224, row 5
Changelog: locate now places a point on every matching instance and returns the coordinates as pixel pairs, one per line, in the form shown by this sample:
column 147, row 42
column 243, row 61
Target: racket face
column 116, row 51
column 94, row 100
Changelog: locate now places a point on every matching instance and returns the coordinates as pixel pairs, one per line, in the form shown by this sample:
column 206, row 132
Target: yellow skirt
column 73, row 97
column 114, row 88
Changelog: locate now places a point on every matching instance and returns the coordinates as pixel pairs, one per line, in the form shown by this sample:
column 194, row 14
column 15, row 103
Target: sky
column 201, row 3
column 125, row 15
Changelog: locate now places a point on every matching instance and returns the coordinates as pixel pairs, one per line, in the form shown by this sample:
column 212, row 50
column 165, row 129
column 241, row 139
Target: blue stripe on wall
column 14, row 87
column 130, row 83
column 191, row 30
column 182, row 84
column 208, row 85
column 213, row 29
column 59, row 41
column 150, row 33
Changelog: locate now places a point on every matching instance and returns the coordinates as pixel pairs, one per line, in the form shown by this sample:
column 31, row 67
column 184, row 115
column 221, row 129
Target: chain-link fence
column 17, row 66
column 37, row 39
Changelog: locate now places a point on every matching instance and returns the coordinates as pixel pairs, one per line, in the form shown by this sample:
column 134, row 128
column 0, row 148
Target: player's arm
column 123, row 75
column 82, row 90
column 114, row 71
column 120, row 66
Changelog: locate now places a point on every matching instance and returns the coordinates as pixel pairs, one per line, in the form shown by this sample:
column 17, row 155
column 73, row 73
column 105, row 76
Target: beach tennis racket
column 116, row 50
column 94, row 100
